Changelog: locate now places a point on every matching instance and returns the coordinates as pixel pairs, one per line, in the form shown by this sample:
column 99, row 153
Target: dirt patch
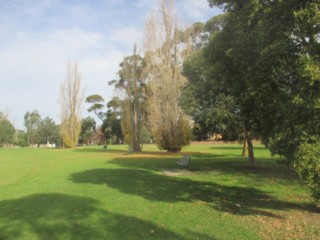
column 220, row 142
column 175, row 172
column 153, row 154
column 209, row 143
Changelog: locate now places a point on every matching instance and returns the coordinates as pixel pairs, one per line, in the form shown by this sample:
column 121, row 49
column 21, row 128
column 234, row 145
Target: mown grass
column 92, row 193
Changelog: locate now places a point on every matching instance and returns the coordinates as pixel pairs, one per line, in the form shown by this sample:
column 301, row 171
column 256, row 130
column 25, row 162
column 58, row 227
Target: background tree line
column 44, row 132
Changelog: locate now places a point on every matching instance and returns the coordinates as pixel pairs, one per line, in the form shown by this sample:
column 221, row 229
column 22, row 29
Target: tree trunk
column 248, row 140
column 244, row 148
column 251, row 158
column 135, row 132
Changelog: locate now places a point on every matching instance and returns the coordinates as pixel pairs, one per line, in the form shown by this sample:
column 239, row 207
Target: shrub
column 307, row 165
column 173, row 139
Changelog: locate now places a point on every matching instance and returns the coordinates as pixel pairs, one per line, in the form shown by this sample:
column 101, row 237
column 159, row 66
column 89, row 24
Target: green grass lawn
column 92, row 193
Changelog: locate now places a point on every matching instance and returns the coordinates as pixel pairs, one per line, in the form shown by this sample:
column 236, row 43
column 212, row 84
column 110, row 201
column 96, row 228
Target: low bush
column 307, row 165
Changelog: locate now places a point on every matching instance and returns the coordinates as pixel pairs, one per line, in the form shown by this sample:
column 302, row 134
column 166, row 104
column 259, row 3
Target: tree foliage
column 21, row 138
column 88, row 130
column 48, row 131
column 3, row 116
column 97, row 106
column 307, row 164
column 109, row 114
column 205, row 98
column 7, row 132
column 71, row 101
column 164, row 53
column 131, row 88
column 32, row 122
column 40, row 131
column 268, row 56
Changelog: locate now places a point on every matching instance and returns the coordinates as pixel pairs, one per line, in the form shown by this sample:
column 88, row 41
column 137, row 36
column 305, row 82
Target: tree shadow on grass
column 235, row 147
column 98, row 150
column 60, row 216
column 156, row 187
column 266, row 168
column 158, row 160
column 204, row 162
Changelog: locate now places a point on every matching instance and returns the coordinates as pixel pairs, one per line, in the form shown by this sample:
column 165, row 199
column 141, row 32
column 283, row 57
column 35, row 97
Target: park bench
column 184, row 161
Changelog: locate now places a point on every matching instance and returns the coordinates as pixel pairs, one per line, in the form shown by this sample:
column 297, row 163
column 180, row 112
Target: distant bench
column 184, row 161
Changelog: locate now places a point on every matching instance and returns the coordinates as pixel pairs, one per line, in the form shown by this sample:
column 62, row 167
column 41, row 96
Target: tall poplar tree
column 164, row 54
column 71, row 102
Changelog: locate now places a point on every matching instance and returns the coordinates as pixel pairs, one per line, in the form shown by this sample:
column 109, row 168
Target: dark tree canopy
column 7, row 132
column 88, row 129
column 267, row 58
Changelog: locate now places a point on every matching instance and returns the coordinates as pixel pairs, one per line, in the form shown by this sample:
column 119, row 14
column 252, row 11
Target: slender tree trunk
column 251, row 158
column 244, row 148
column 248, row 140
column 136, row 142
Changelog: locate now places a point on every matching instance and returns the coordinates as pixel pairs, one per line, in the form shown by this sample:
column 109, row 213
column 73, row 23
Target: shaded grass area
column 158, row 187
column 61, row 216
column 93, row 193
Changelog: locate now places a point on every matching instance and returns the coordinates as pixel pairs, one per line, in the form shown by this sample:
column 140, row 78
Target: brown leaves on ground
column 294, row 225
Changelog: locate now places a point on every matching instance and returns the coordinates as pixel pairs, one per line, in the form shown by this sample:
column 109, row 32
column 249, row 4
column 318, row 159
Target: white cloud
column 33, row 66
column 147, row 4
column 126, row 37
column 191, row 11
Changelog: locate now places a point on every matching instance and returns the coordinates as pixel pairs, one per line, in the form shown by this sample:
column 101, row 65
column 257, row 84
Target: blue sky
column 39, row 37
